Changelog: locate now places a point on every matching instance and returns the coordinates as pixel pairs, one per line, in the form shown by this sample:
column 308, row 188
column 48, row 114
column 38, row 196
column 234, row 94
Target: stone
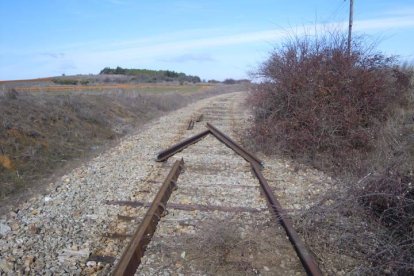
column 15, row 226
column 4, row 229
column 28, row 260
column 91, row 264
column 13, row 214
column 6, row 266
column 34, row 229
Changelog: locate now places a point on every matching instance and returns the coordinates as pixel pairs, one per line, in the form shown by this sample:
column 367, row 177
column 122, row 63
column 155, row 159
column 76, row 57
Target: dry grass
column 218, row 248
column 42, row 132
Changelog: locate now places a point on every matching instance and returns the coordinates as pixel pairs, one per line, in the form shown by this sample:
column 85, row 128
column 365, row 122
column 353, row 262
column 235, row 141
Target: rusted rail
column 190, row 124
column 131, row 258
column 233, row 145
column 250, row 157
column 308, row 261
column 199, row 118
column 165, row 154
column 306, row 258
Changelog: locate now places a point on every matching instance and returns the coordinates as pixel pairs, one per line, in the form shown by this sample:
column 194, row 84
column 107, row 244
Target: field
column 47, row 85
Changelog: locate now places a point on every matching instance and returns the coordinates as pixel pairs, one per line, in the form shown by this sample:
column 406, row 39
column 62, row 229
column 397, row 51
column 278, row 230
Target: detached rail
column 165, row 154
column 131, row 258
column 307, row 259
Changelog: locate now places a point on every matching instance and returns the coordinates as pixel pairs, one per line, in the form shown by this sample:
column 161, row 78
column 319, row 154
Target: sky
column 209, row 38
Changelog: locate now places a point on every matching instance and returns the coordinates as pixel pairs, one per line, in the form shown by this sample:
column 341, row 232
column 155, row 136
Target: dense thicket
column 348, row 114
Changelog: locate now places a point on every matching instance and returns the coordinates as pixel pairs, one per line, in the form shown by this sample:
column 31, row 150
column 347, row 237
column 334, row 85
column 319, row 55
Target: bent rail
column 250, row 157
column 165, row 154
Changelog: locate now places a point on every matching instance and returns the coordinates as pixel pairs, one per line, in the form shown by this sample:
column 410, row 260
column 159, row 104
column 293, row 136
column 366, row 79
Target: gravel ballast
column 56, row 233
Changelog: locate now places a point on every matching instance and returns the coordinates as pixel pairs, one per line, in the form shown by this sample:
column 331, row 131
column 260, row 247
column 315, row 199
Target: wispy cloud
column 203, row 57
column 180, row 47
column 54, row 55
column 188, row 46
column 404, row 21
column 407, row 10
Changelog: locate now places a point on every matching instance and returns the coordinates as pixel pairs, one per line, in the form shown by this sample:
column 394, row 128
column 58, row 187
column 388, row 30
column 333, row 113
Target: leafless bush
column 11, row 94
column 317, row 101
column 350, row 115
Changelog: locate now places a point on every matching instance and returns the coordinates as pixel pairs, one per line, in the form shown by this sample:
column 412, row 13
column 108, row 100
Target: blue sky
column 212, row 39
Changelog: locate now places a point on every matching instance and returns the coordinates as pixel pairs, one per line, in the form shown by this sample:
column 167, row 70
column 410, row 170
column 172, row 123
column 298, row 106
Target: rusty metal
column 306, row 258
column 189, row 207
column 199, row 118
column 165, row 154
column 131, row 258
column 126, row 218
column 190, row 125
column 250, row 157
column 101, row 259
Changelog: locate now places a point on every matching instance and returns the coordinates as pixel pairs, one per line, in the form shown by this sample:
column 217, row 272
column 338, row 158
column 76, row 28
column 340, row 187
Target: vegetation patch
column 145, row 75
column 41, row 132
column 349, row 114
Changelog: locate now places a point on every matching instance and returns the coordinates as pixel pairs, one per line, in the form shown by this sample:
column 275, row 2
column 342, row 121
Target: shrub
column 353, row 115
column 317, row 101
column 229, row 81
column 64, row 81
column 11, row 94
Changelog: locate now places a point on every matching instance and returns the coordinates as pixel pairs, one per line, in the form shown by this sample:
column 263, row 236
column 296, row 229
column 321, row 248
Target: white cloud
column 385, row 23
column 186, row 45
column 176, row 47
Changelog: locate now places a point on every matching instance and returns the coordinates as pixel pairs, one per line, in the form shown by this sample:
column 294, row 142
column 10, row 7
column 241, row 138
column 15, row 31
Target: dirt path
column 57, row 233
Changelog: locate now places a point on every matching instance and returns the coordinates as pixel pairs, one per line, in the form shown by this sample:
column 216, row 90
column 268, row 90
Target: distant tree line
column 231, row 81
column 145, row 75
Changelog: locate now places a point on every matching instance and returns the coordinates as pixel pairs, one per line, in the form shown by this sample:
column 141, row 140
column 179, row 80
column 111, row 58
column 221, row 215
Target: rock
column 89, row 271
column 6, row 266
column 4, row 229
column 28, row 260
column 266, row 268
column 92, row 217
column 33, row 229
column 47, row 198
column 91, row 264
column 13, row 214
column 183, row 255
column 14, row 226
column 69, row 255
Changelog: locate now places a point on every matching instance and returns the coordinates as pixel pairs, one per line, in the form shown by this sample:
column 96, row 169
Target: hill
column 145, row 75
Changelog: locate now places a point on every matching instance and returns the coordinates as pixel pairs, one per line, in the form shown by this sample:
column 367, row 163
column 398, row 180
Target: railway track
column 222, row 218
column 217, row 221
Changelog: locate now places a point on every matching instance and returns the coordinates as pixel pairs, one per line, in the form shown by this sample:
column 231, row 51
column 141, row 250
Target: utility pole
column 351, row 18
